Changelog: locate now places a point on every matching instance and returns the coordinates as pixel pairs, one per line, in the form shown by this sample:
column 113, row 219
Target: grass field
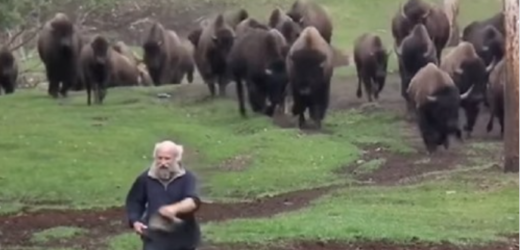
column 66, row 155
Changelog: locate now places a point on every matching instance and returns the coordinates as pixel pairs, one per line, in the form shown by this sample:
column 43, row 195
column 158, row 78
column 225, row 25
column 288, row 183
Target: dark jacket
column 148, row 194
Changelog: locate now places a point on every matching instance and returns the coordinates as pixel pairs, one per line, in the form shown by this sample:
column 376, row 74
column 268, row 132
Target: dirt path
column 17, row 230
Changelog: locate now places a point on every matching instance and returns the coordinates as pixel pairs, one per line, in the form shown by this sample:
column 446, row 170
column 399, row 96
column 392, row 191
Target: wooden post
column 511, row 86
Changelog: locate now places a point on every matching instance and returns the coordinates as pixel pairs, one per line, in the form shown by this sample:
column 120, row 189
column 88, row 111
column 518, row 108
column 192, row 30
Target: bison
column 415, row 12
column 451, row 8
column 371, row 58
column 283, row 23
column 416, row 51
column 307, row 13
column 161, row 55
column 144, row 77
column 194, row 36
column 468, row 70
column 215, row 42
column 310, row 69
column 497, row 21
column 187, row 63
column 258, row 59
column 103, row 67
column 488, row 41
column 495, row 95
column 436, row 99
column 59, row 44
column 8, row 71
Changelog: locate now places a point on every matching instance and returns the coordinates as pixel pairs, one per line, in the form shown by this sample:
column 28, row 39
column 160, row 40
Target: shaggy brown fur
column 194, row 36
column 161, row 55
column 234, row 17
column 427, row 80
column 310, row 68
column 187, row 64
column 144, row 77
column 258, row 58
column 495, row 95
column 283, row 23
column 215, row 42
column 103, row 67
column 371, row 58
column 8, row 71
column 59, row 45
column 308, row 13
column 414, row 12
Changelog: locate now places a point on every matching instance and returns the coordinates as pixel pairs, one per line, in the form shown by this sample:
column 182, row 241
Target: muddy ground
column 16, row 230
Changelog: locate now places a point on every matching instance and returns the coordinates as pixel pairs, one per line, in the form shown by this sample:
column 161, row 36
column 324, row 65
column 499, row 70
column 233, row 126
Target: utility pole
column 511, row 86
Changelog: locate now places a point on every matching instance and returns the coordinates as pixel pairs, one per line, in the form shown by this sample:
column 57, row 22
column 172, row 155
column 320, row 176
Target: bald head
column 167, row 155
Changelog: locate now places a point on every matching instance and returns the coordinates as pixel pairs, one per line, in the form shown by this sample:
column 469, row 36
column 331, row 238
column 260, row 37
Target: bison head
column 308, row 69
column 381, row 57
column 194, row 36
column 416, row 11
column 492, row 45
column 63, row 30
column 290, row 30
column 473, row 73
column 223, row 40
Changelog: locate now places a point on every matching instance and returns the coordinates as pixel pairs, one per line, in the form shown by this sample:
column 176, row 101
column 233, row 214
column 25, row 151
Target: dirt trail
column 18, row 229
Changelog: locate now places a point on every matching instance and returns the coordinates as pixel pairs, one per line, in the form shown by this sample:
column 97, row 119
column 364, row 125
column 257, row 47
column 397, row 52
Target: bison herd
column 290, row 56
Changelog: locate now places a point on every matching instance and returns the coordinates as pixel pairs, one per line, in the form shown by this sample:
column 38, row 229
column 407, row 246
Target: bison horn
column 459, row 71
column 397, row 50
column 431, row 98
column 466, row 95
column 491, row 65
column 402, row 12
column 268, row 72
column 485, row 48
column 426, row 14
column 429, row 49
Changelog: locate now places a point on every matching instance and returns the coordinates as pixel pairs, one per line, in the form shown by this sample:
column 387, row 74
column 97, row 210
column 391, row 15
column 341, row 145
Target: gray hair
column 179, row 149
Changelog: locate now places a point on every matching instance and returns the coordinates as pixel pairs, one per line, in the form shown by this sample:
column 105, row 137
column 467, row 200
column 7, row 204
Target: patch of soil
column 17, row 229
column 397, row 168
column 511, row 244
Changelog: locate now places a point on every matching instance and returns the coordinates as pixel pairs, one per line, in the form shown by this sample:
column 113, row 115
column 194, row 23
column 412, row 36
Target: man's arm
column 191, row 201
column 136, row 201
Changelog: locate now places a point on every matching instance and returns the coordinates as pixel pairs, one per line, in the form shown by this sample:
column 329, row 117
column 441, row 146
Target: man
column 166, row 190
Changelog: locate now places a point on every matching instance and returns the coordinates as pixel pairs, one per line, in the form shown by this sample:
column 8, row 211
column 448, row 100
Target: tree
column 511, row 89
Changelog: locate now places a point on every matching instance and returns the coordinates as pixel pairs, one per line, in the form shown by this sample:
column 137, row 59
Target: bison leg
column 8, row 87
column 240, row 95
column 368, row 88
column 256, row 98
column 489, row 126
column 471, row 110
column 222, row 84
column 359, row 92
column 428, row 133
column 54, row 84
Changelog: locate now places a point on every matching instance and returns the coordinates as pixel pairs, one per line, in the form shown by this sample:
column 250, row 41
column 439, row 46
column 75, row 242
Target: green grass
column 458, row 212
column 89, row 155
column 56, row 233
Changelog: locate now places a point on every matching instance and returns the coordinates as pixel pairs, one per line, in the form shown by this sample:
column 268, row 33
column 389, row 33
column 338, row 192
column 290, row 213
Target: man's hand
column 139, row 227
column 169, row 211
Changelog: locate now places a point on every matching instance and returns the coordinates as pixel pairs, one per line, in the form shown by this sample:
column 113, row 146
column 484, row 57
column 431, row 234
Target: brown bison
column 8, row 71
column 161, row 55
column 144, row 77
column 468, row 70
column 308, row 13
column 249, row 24
column 187, row 63
column 215, row 42
column 103, row 67
column 258, row 58
column 310, row 69
column 495, row 95
column 496, row 21
column 283, row 23
column 416, row 51
column 371, row 58
column 488, row 41
column 233, row 18
column 436, row 101
column 59, row 45
column 415, row 12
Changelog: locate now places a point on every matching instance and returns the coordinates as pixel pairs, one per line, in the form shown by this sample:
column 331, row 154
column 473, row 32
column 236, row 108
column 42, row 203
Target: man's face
column 165, row 163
